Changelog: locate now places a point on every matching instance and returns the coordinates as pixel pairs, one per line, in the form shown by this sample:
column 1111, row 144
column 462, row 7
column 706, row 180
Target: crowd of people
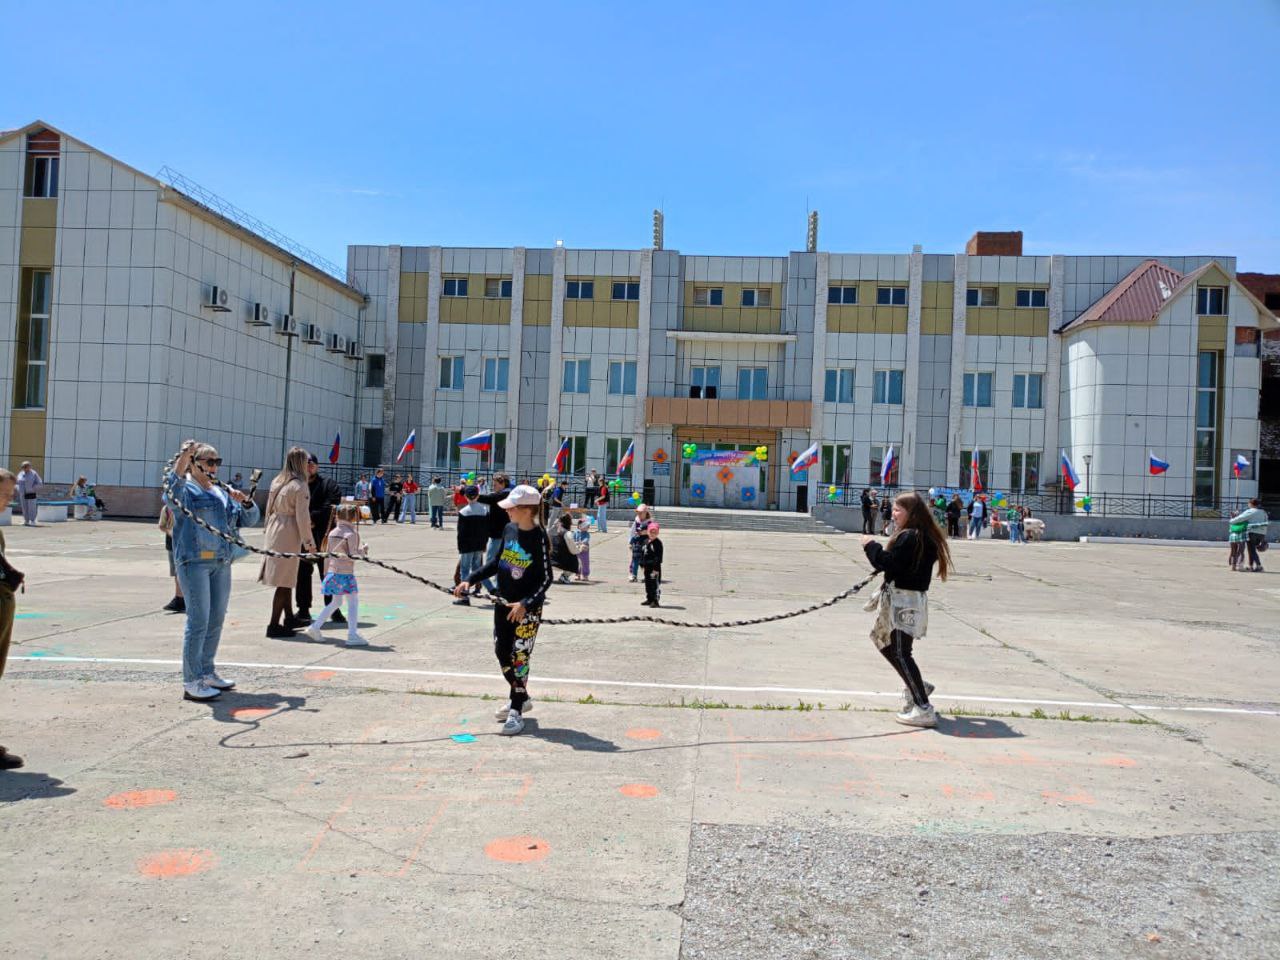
column 960, row 519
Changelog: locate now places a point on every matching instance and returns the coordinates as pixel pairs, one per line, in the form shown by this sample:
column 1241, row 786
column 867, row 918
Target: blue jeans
column 1015, row 533
column 975, row 528
column 409, row 508
column 602, row 518
column 437, row 516
column 207, row 588
column 495, row 548
column 469, row 563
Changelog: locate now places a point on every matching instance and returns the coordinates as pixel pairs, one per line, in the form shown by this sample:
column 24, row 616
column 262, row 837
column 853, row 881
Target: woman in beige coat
column 289, row 531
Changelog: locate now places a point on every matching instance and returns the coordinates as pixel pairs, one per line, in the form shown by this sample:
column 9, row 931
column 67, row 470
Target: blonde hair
column 6, row 476
column 295, row 466
column 349, row 512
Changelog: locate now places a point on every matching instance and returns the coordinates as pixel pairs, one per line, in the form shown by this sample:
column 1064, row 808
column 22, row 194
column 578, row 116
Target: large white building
column 137, row 312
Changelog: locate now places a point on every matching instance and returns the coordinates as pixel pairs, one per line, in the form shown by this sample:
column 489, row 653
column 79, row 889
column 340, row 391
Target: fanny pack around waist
column 908, row 610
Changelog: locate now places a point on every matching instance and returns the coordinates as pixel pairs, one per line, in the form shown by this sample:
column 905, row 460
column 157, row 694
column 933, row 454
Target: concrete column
column 640, row 431
column 555, row 373
column 820, row 288
column 911, row 376
column 955, row 407
column 390, row 338
column 1053, row 372
column 431, row 358
column 515, row 353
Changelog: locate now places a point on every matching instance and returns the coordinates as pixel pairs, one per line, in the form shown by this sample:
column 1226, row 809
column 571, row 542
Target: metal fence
column 346, row 478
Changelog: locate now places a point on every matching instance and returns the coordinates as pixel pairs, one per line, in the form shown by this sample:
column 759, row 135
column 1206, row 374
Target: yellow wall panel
column 732, row 317
column 1211, row 333
column 26, row 439
column 537, row 300
column 603, row 310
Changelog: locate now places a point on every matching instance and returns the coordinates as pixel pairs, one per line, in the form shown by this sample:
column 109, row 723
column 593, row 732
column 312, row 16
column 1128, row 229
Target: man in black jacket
column 325, row 495
column 498, row 521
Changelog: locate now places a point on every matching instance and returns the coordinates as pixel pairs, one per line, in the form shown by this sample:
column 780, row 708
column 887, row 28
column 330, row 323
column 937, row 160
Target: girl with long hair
column 902, row 604
column 288, row 531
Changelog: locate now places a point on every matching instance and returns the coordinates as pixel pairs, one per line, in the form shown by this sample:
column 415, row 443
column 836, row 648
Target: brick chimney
column 995, row 244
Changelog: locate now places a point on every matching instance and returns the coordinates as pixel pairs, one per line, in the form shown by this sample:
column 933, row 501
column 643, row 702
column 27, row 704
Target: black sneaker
column 9, row 761
column 299, row 620
column 337, row 617
column 280, row 633
column 462, row 602
column 176, row 605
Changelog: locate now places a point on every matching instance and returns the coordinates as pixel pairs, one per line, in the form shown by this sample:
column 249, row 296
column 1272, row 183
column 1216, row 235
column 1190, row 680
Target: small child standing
column 582, row 537
column 651, row 561
column 636, row 541
column 343, row 547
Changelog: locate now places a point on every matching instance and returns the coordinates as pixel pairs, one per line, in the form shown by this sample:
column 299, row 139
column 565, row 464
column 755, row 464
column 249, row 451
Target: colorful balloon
column 762, row 453
column 689, row 450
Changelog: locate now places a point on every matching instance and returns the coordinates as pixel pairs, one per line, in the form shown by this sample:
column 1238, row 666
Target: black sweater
column 899, row 562
column 498, row 518
column 523, row 566
column 473, row 527
column 651, row 554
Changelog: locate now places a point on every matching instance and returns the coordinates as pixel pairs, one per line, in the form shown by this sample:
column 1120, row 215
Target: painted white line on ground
column 648, row 685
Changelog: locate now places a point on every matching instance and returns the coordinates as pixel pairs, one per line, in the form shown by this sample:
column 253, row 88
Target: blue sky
column 1094, row 127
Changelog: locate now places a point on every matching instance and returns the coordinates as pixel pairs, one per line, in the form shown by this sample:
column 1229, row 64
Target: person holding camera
column 203, row 559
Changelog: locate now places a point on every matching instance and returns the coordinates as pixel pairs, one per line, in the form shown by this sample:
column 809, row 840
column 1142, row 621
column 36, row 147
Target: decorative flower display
column 725, row 475
column 698, row 491
column 748, row 494
column 659, row 456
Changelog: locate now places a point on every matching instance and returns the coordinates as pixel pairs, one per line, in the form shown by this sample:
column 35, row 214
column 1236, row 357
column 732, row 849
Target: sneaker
column 9, row 761
column 355, row 640
column 280, row 633
column 514, row 724
column 176, row 605
column 918, row 717
column 462, row 602
column 504, row 711
column 633, row 579
column 313, row 633
column 337, row 617
column 565, row 578
column 217, row 683
column 299, row 620
column 199, row 691
column 908, row 702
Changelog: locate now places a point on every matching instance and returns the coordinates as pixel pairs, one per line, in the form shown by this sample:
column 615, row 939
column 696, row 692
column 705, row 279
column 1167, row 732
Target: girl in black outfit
column 868, row 509
column 903, row 607
column 954, row 509
column 523, row 568
column 562, row 557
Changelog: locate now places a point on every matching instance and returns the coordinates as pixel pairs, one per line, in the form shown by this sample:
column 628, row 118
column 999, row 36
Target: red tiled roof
column 1138, row 298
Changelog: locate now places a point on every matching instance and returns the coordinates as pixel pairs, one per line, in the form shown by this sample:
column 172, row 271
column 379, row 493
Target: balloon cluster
column 616, row 485
column 832, row 494
column 762, row 453
column 545, row 480
column 689, row 450
column 636, row 498
column 469, row 477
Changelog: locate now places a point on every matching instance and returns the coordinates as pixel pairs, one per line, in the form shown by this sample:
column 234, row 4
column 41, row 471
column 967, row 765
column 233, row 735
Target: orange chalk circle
column 643, row 733
column 319, row 675
column 517, row 849
column 176, row 863
column 132, row 799
column 251, row 713
column 638, row 791
column 1119, row 762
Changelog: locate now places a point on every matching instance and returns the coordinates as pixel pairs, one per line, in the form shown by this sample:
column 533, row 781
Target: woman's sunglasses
column 214, row 461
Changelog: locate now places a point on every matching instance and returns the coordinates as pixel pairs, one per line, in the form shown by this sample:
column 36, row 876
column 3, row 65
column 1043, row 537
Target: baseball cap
column 311, row 458
column 521, row 496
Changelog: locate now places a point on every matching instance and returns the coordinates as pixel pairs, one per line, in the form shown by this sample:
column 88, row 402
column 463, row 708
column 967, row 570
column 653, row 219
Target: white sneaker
column 918, row 717
column 633, row 579
column 313, row 633
column 501, row 713
column 355, row 640
column 908, row 701
column 217, row 683
column 200, row 691
column 514, row 724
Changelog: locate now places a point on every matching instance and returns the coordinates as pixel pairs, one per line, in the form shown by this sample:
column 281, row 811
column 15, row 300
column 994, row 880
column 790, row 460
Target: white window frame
column 837, row 386
column 626, row 377
column 757, row 374
column 846, row 295
column 459, row 287
column 452, row 452
column 832, row 455
column 702, row 296
column 969, row 396
column 614, row 448
column 700, row 377
column 44, row 317
column 503, row 286
column 894, row 299
column 1205, row 294
column 759, row 297
column 1018, row 464
column 976, row 296
column 881, row 383
column 44, row 176
column 581, row 378
column 457, row 370
column 1032, row 294
column 626, row 290
column 579, row 289
column 493, row 377
column 1022, row 391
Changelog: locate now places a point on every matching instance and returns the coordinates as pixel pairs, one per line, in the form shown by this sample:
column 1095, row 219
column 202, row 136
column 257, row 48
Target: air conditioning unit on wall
column 218, row 300
column 354, row 350
column 261, row 316
column 336, row 343
column 311, row 333
column 286, row 325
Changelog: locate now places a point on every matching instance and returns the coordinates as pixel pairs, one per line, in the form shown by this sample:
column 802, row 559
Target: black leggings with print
column 513, row 644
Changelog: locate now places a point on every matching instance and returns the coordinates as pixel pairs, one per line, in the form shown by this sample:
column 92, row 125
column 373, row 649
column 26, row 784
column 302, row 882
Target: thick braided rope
column 237, row 541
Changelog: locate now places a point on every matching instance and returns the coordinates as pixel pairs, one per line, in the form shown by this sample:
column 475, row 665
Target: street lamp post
column 1088, row 483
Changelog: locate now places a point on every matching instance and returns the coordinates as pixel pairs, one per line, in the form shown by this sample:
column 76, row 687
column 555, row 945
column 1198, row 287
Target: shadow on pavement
column 978, row 728
column 227, row 708
column 18, row 785
column 570, row 738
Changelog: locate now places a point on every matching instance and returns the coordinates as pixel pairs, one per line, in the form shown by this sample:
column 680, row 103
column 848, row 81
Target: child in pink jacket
column 343, row 546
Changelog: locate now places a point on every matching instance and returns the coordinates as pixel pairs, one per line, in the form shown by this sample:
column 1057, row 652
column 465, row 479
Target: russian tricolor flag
column 479, row 441
column 1158, row 466
column 1070, row 479
column 886, row 468
column 409, row 445
column 336, row 450
column 1240, row 466
column 627, row 457
column 562, row 457
column 806, row 459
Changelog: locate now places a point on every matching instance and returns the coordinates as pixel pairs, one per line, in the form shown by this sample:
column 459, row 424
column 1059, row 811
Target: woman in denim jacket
column 203, row 560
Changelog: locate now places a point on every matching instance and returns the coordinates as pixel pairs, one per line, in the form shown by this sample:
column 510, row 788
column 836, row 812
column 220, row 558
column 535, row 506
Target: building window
column 757, row 297
column 1211, row 301
column 32, row 366
column 753, row 383
column 626, row 290
column 843, row 295
column 448, row 454
column 455, row 286
column 977, row 389
column 877, row 464
column 580, row 290
column 41, row 176
column 982, row 296
column 891, row 296
column 835, row 463
column 1206, row 456
column 622, row 378
column 499, row 450
column 375, row 370
column 496, row 288
column 705, row 383
column 839, row 386
column 887, row 387
column 577, row 376
column 708, row 296
column 372, row 447
column 577, row 455
column 495, row 375
column 451, row 369
column 614, row 449
column 1030, row 298
column 1028, row 391
column 965, row 481
column 1024, row 473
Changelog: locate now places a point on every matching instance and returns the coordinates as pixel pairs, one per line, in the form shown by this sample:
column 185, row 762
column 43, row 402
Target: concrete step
column 685, row 518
